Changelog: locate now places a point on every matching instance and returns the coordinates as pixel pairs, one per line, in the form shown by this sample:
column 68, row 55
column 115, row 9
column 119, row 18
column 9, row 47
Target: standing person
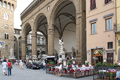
column 118, row 74
column 4, row 66
column 21, row 64
column 44, row 64
column 9, row 64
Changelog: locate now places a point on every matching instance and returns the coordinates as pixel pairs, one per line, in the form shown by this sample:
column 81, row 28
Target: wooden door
column 110, row 58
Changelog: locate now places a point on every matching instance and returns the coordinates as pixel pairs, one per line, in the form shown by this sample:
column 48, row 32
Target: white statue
column 61, row 46
column 61, row 50
column 11, row 52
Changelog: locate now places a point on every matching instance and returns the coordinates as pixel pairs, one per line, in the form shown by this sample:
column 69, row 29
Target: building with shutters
column 100, row 20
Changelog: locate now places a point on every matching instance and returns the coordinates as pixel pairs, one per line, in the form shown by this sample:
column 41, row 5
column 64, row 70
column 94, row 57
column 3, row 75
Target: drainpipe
column 116, row 29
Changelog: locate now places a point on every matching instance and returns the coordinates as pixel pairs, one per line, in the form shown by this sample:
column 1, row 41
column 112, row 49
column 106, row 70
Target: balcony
column 117, row 28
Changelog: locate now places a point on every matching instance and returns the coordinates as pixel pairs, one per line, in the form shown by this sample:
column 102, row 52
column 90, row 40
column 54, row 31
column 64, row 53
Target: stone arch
column 52, row 15
column 57, row 19
column 41, row 25
column 28, row 27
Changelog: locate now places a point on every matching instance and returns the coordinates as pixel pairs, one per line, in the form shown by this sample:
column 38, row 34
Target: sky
column 21, row 5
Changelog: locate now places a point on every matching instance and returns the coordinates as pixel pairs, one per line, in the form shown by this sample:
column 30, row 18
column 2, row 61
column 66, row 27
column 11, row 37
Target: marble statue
column 61, row 46
column 11, row 54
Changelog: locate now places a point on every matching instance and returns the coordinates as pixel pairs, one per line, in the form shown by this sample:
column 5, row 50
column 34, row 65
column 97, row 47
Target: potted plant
column 87, row 64
column 51, row 63
column 79, row 65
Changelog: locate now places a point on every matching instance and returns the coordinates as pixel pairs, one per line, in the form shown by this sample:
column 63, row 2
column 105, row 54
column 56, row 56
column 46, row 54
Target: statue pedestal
column 12, row 57
column 34, row 57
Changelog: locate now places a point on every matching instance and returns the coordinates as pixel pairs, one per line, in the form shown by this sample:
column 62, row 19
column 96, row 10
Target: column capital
column 51, row 31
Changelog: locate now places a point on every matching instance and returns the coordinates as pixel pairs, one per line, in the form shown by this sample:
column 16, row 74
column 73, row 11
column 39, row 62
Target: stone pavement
column 28, row 74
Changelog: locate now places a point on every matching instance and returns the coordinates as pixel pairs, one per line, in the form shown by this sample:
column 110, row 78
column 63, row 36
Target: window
column 107, row 1
column 6, row 26
column 108, row 24
column 6, row 36
column 92, row 4
column 12, row 7
column 5, row 4
column 93, row 30
column 118, row 42
column 110, row 45
column 0, row 2
column 9, row 6
column 6, row 16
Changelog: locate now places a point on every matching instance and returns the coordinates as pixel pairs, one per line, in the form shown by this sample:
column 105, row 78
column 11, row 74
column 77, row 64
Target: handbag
column 11, row 67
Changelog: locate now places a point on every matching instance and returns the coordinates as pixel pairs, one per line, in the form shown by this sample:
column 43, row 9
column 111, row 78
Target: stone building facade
column 117, row 30
column 56, row 19
column 100, row 20
column 7, row 8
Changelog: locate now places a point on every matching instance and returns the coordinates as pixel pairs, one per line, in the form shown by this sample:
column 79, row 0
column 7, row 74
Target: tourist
column 4, row 66
column 9, row 64
column 21, row 64
column 44, row 64
column 118, row 74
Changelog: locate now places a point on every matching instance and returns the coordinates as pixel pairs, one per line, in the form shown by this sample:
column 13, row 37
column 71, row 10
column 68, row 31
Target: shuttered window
column 92, row 4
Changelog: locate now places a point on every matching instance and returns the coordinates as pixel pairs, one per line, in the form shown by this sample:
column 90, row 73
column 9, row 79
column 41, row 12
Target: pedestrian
column 9, row 64
column 4, row 66
column 21, row 64
column 118, row 74
column 44, row 64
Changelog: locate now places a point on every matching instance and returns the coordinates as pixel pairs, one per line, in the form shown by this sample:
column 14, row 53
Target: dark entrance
column 110, row 58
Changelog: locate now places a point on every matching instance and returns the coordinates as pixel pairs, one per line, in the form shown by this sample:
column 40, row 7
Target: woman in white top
column 4, row 66
column 21, row 64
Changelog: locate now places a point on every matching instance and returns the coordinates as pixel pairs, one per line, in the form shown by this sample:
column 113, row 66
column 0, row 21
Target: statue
column 61, row 46
column 11, row 54
column 61, row 50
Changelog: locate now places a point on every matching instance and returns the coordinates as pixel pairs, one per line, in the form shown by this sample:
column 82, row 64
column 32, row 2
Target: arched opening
column 42, row 38
column 26, row 35
column 65, row 28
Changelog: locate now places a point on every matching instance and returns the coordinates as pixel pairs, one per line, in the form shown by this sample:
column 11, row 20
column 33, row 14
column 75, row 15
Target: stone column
column 50, row 41
column 80, row 32
column 34, row 45
column 23, row 48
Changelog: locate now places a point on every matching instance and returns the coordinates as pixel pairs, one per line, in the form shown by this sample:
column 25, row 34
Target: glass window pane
column 107, row 24
column 110, row 24
column 92, row 29
column 95, row 27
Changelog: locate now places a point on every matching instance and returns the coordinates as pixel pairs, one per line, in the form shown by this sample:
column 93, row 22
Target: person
column 118, row 74
column 44, row 64
column 4, row 66
column 21, row 64
column 9, row 64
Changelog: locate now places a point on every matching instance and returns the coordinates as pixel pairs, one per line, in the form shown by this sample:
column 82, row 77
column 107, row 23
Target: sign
column 2, row 44
column 98, row 51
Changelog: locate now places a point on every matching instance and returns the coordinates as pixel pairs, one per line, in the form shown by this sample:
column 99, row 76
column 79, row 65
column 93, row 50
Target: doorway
column 110, row 58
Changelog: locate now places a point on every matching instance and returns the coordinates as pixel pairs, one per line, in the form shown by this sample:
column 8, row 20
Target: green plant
column 111, row 76
column 87, row 63
column 98, row 64
column 52, row 62
column 69, row 63
column 115, row 65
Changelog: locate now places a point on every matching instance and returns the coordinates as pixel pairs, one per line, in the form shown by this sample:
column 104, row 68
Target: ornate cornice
column 34, row 4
